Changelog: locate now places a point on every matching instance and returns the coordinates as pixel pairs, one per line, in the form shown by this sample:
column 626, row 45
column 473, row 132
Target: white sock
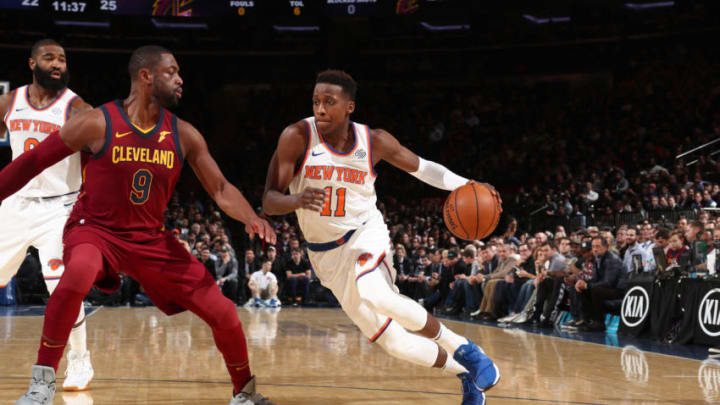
column 449, row 340
column 78, row 335
column 453, row 367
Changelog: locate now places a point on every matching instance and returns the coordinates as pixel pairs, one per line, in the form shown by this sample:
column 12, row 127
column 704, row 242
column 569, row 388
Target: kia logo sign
column 635, row 306
column 709, row 313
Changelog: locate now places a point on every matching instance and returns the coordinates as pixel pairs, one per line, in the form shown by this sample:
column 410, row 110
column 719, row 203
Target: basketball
column 472, row 211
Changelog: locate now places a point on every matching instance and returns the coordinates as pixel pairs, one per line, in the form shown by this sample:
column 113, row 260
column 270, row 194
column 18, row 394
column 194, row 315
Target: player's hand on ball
column 492, row 190
column 312, row 199
column 262, row 228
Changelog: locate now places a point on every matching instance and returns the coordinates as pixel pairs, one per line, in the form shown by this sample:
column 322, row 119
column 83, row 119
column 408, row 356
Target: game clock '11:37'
column 69, row 6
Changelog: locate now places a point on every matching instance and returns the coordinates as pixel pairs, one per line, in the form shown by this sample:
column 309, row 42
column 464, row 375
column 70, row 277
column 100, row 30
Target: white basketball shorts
column 339, row 268
column 37, row 222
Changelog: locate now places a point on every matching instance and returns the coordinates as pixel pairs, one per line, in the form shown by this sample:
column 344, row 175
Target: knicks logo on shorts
column 363, row 258
column 55, row 264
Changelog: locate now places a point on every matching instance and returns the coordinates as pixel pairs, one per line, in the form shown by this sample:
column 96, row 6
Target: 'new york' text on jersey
column 347, row 178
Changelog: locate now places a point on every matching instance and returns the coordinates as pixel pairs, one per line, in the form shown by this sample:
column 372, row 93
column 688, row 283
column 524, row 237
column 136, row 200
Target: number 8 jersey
column 27, row 127
column 129, row 182
column 348, row 180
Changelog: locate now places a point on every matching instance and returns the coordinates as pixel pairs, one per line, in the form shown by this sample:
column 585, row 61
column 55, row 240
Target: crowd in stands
column 517, row 279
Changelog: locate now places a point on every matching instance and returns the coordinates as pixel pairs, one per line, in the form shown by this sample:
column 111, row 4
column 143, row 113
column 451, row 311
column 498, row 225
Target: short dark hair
column 663, row 233
column 145, row 57
column 340, row 78
column 265, row 259
column 293, row 250
column 602, row 240
column 42, row 42
column 697, row 225
column 469, row 253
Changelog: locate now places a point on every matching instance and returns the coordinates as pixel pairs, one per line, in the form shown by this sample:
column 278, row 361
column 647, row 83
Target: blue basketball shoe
column 471, row 394
column 483, row 372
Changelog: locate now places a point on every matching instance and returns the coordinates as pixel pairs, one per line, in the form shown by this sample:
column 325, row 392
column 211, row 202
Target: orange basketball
column 472, row 211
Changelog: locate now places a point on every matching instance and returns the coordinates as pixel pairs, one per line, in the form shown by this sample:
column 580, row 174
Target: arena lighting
column 431, row 27
column 537, row 20
column 187, row 25
column 643, row 6
column 99, row 24
column 296, row 28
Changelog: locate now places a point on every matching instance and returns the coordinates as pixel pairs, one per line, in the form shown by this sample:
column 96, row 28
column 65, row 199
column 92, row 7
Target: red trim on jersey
column 12, row 106
column 381, row 331
column 51, row 278
column 370, row 154
column 67, row 106
column 58, row 97
column 307, row 148
column 333, row 151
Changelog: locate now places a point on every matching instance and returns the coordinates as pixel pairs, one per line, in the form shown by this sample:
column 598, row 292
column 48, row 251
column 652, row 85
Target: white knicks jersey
column 27, row 127
column 347, row 178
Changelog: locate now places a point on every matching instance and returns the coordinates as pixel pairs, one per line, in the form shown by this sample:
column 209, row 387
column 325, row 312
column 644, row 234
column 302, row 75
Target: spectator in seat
column 636, row 251
column 489, row 260
column 564, row 248
column 297, row 271
column 207, row 260
column 675, row 248
column 582, row 269
column 404, row 269
column 548, row 283
column 506, row 265
column 605, row 284
column 712, row 256
column 462, row 295
column 263, row 287
column 249, row 265
column 277, row 267
column 441, row 276
column 507, row 294
column 226, row 274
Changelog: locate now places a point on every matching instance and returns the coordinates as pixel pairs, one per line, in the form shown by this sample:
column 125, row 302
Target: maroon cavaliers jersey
column 127, row 185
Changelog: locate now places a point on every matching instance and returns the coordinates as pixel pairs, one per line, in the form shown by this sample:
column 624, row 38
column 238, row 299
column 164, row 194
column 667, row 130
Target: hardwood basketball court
column 317, row 356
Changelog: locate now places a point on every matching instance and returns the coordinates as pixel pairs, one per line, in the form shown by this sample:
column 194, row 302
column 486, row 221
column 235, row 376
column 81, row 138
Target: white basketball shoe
column 79, row 371
column 42, row 387
column 248, row 396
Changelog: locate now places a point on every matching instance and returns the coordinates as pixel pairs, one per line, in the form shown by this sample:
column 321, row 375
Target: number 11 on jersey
column 340, row 207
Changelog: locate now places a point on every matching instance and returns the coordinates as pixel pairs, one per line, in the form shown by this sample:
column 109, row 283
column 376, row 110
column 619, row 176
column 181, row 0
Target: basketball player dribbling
column 327, row 162
column 134, row 154
column 36, row 214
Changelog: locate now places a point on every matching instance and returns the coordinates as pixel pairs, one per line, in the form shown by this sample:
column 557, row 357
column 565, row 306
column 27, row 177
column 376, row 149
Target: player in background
column 327, row 162
column 36, row 214
column 136, row 149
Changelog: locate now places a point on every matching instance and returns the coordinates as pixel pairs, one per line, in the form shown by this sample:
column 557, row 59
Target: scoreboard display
column 229, row 8
column 150, row 8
